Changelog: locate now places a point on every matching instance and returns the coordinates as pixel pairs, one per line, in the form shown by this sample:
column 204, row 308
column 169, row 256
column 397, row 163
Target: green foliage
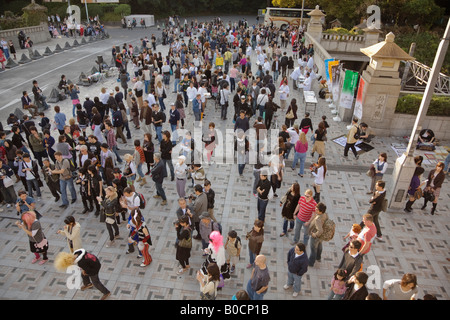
column 426, row 45
column 410, row 104
column 344, row 32
column 123, row 10
column 12, row 23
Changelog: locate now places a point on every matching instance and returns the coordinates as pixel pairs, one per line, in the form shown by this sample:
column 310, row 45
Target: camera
column 192, row 197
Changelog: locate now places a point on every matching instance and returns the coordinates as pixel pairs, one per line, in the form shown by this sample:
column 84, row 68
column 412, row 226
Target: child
column 338, row 285
column 233, row 249
column 352, row 235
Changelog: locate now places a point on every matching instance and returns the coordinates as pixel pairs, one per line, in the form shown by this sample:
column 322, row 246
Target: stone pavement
column 416, row 242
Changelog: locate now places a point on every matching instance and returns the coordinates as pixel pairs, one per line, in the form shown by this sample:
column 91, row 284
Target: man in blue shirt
column 297, row 261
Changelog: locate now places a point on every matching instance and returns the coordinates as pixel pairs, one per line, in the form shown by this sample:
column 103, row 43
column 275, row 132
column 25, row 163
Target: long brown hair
column 322, row 163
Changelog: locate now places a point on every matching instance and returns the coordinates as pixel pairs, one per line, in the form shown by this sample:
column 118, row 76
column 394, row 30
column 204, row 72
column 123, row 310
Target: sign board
column 359, row 100
column 348, row 89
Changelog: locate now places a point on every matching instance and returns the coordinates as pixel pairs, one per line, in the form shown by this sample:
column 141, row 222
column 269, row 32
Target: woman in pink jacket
column 301, row 148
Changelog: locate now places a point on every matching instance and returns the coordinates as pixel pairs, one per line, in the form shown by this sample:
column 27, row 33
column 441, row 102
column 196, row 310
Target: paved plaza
column 416, row 243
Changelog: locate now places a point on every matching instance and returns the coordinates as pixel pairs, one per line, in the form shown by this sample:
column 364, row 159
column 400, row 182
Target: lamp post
column 301, row 18
column 405, row 164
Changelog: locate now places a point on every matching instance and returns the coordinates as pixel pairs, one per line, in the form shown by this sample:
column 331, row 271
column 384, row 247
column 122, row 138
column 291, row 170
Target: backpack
column 142, row 200
column 357, row 134
column 219, row 226
column 329, row 228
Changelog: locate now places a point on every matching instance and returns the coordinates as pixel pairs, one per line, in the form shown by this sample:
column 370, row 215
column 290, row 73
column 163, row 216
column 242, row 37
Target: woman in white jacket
column 319, row 171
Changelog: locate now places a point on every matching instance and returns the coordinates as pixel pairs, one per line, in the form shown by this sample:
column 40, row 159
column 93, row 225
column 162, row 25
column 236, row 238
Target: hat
column 205, row 215
column 242, row 97
column 45, row 159
column 86, row 96
column 116, row 170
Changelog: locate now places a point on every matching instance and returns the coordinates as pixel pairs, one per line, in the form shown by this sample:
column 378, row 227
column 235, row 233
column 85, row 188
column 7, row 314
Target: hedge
column 410, row 104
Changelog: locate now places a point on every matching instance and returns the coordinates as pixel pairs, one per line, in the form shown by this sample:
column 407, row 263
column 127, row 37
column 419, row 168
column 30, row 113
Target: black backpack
column 357, row 134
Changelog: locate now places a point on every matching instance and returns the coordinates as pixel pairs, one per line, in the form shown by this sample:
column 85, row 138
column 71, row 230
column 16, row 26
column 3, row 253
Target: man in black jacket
column 297, row 261
column 158, row 174
column 90, row 266
column 210, row 194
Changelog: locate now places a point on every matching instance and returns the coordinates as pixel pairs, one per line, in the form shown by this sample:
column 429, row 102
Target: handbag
column 371, row 171
column 428, row 194
column 8, row 182
column 40, row 246
column 418, row 194
column 109, row 220
column 290, row 114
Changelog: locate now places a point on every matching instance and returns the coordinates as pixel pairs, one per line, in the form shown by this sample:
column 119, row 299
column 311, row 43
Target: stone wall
column 405, row 122
column 38, row 34
column 320, row 53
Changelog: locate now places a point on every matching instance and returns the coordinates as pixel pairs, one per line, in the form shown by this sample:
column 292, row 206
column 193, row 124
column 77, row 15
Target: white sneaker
column 295, row 294
column 8, row 205
column 285, row 287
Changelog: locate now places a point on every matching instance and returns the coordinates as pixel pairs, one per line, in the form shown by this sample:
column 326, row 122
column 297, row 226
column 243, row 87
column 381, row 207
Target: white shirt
column 151, row 99
column 191, row 93
column 284, row 92
column 202, row 91
column 319, row 175
column 310, row 63
column 306, row 84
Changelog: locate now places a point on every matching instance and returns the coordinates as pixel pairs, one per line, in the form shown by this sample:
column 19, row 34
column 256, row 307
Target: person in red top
column 139, row 160
column 367, row 234
column 303, row 212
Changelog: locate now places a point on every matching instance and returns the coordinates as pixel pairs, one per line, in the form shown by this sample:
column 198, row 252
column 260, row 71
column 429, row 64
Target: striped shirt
column 306, row 209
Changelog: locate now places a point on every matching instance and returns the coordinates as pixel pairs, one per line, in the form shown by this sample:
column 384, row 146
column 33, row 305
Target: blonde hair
column 302, row 138
column 128, row 157
column 63, row 260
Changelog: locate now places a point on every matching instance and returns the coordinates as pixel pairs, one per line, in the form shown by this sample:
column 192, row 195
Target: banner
column 335, row 81
column 330, row 66
column 328, row 71
column 359, row 99
column 348, row 89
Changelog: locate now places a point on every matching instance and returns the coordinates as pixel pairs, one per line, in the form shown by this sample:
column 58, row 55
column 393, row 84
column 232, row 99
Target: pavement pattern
column 415, row 242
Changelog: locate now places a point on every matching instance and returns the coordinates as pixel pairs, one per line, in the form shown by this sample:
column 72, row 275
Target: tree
column 286, row 3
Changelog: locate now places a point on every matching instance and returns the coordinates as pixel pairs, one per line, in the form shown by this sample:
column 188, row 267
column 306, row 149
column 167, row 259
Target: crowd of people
column 214, row 65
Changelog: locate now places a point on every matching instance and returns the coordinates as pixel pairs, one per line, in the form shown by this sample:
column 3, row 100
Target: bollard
column 36, row 55
column 54, row 96
column 24, row 59
column 48, row 52
column 10, row 63
column 58, row 48
column 67, row 46
column 75, row 43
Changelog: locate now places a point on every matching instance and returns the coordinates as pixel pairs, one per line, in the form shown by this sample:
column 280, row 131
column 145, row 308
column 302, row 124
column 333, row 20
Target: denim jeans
column 334, row 296
column 161, row 104
column 241, row 168
column 285, row 225
column 252, row 293
column 158, row 130
column 114, row 149
column 160, row 190
column 30, row 184
column 176, row 86
column 62, row 185
column 147, row 84
column 316, row 251
column 252, row 256
column 262, row 109
column 298, row 228
column 139, row 170
column 262, row 205
column 446, row 163
column 295, row 280
column 170, row 164
column 302, row 158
